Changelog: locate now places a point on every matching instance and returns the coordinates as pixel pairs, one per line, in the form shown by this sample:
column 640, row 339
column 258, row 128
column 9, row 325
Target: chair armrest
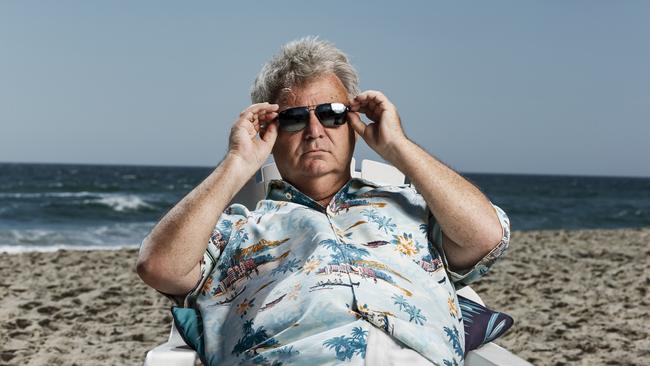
column 173, row 353
column 491, row 354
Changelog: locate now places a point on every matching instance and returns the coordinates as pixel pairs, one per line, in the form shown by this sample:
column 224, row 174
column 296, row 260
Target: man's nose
column 314, row 128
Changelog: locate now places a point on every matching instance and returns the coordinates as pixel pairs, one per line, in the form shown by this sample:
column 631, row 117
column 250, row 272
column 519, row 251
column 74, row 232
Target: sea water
column 52, row 206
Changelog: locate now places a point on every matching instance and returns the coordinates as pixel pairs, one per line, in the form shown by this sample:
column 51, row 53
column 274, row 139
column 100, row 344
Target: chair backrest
column 255, row 189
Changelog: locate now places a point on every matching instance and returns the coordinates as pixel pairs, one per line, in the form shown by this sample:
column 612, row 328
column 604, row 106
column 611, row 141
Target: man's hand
column 469, row 223
column 170, row 255
column 384, row 134
column 244, row 143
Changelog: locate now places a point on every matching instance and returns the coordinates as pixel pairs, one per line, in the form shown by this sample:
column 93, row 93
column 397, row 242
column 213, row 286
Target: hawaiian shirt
column 293, row 282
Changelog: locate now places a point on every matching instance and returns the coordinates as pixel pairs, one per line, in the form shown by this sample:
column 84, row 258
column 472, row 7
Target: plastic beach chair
column 176, row 353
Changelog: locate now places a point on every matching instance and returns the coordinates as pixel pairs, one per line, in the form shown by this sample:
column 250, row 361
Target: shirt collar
column 280, row 190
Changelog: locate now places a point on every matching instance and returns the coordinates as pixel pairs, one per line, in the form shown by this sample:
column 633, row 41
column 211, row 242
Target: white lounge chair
column 176, row 353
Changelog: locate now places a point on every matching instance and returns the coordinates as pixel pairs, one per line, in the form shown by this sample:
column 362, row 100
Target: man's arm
column 170, row 255
column 469, row 223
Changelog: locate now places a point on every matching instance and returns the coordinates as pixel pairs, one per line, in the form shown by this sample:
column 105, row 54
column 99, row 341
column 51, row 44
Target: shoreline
column 577, row 297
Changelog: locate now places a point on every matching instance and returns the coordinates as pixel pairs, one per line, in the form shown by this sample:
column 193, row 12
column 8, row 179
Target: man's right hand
column 244, row 143
column 170, row 255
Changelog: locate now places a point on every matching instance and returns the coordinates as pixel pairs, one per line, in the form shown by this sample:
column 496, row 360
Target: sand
column 578, row 297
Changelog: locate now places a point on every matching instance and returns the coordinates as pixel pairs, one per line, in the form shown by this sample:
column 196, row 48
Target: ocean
column 51, row 206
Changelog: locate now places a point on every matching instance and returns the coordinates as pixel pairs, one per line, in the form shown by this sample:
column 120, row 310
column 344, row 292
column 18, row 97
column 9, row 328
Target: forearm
column 464, row 214
column 178, row 241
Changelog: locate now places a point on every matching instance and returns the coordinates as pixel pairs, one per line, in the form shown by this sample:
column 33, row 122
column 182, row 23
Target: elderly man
column 328, row 269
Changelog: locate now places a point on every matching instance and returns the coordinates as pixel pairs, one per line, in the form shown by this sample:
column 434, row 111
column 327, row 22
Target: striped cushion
column 482, row 325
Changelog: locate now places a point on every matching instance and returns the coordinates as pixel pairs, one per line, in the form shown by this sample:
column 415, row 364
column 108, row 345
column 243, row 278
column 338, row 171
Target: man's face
column 316, row 150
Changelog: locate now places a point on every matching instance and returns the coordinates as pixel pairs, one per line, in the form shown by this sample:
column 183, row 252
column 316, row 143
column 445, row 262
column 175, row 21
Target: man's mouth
column 315, row 151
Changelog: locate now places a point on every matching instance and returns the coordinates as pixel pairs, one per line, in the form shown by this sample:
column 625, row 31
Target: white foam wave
column 14, row 249
column 120, row 202
column 46, row 194
column 85, row 237
column 33, row 236
column 117, row 201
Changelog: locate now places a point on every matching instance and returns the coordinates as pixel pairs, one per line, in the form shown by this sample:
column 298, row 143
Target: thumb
column 270, row 132
column 356, row 123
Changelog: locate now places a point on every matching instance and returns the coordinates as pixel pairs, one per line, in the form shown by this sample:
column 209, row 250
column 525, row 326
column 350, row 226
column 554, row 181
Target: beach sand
column 577, row 297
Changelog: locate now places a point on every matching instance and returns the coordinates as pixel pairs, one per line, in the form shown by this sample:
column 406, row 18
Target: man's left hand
column 384, row 134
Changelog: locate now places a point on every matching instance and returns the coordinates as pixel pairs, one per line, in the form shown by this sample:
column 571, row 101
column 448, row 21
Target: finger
column 256, row 118
column 268, row 116
column 363, row 97
column 377, row 107
column 357, row 124
column 252, row 113
column 250, row 119
column 373, row 104
column 270, row 132
column 364, row 102
column 369, row 95
column 256, row 108
column 266, row 119
column 369, row 108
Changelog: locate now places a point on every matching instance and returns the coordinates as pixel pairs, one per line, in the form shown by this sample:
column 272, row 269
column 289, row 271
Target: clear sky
column 550, row 87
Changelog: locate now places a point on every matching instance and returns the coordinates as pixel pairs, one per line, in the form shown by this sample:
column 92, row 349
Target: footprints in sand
column 577, row 292
column 77, row 308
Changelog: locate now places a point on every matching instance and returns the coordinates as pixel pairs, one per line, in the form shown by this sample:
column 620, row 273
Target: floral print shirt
column 293, row 282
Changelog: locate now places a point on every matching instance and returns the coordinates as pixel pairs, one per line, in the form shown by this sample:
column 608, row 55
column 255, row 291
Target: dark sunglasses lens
column 331, row 114
column 294, row 119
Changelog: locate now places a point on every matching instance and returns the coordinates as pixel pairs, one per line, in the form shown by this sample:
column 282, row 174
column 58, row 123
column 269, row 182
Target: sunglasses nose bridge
column 314, row 126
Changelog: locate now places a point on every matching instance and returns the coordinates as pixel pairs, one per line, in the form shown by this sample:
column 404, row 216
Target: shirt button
column 288, row 195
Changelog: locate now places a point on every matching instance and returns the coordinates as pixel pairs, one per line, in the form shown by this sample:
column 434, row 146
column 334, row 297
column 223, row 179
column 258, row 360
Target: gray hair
column 300, row 61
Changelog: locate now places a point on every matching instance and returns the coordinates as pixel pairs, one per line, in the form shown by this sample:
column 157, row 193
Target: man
column 327, row 269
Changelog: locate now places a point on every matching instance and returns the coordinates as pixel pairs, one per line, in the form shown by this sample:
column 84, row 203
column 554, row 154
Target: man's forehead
column 299, row 95
column 287, row 96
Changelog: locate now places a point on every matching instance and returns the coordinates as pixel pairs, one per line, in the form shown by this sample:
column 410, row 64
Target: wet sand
column 578, row 297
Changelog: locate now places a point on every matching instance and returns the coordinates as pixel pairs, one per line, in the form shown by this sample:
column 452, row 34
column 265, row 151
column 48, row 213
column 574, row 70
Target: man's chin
column 316, row 168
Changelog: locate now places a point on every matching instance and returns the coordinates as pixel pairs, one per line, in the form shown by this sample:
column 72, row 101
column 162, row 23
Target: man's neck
column 322, row 189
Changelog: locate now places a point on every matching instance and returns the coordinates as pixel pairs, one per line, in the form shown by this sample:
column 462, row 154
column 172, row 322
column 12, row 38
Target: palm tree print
column 370, row 213
column 450, row 363
column 286, row 352
column 415, row 314
column 453, row 336
column 283, row 353
column 400, row 301
column 233, row 249
column 226, row 228
column 383, row 222
column 288, row 266
column 344, row 253
column 348, row 347
column 252, row 339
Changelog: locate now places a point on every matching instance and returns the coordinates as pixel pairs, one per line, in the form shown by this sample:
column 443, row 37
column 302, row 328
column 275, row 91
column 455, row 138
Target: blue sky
column 501, row 86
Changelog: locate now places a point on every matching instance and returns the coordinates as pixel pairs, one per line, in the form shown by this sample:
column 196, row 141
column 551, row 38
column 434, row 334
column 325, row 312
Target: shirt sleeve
column 463, row 278
column 216, row 244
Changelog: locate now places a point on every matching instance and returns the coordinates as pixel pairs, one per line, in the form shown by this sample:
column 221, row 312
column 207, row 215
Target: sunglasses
column 329, row 115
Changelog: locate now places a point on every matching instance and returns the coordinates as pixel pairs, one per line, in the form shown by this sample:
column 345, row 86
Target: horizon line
column 213, row 167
